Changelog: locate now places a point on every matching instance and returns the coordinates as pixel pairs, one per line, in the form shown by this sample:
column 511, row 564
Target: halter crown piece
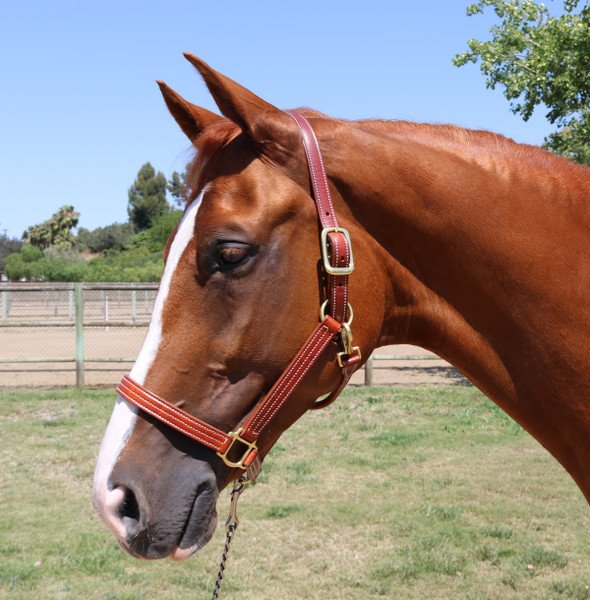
column 238, row 448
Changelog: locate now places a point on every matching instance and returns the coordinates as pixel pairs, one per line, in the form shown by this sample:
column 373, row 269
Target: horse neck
column 410, row 196
column 462, row 223
column 467, row 229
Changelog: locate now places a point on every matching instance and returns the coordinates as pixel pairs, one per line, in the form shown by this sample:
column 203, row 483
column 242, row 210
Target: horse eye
column 233, row 255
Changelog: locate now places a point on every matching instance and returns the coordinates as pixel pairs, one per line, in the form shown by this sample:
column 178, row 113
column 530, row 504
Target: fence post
column 79, row 302
column 5, row 299
column 369, row 371
column 133, row 305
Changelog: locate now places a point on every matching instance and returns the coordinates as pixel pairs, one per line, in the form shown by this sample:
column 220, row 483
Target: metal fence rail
column 88, row 333
column 72, row 325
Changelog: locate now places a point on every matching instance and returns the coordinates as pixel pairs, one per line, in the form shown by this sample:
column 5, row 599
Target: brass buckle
column 349, row 349
column 325, row 252
column 235, row 435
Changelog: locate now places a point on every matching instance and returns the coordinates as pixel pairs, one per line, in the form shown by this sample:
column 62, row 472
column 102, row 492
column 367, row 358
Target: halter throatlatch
column 238, row 448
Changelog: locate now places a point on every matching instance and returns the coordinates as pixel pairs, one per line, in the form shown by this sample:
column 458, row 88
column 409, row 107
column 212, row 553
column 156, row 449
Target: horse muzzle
column 151, row 527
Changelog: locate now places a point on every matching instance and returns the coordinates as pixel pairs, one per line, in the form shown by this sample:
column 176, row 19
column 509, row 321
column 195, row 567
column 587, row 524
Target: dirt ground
column 37, row 324
column 406, row 365
column 394, row 365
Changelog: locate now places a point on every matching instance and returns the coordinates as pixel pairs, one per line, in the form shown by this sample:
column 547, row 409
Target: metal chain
column 231, row 525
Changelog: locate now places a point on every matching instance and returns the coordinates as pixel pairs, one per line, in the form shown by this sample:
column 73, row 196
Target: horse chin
column 183, row 551
column 199, row 526
column 180, row 554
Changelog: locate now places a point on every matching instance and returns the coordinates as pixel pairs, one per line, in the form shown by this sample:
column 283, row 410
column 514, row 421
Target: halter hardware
column 325, row 245
column 249, row 455
column 324, row 312
column 346, row 339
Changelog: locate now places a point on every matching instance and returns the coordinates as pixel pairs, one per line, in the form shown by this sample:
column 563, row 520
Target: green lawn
column 390, row 493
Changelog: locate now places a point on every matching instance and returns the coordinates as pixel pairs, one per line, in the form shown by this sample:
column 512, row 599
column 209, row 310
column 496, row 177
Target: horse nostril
column 129, row 508
column 129, row 514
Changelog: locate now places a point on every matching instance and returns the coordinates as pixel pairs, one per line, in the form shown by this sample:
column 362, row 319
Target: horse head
column 240, row 292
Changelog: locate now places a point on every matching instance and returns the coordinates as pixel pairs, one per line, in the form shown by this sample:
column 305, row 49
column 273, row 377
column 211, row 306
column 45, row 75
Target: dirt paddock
column 37, row 326
column 405, row 365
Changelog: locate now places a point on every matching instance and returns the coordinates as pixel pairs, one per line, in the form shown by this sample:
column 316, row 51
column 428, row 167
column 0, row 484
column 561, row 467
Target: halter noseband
column 335, row 326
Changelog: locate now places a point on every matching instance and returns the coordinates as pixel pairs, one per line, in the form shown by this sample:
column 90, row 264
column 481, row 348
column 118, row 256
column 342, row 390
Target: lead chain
column 230, row 527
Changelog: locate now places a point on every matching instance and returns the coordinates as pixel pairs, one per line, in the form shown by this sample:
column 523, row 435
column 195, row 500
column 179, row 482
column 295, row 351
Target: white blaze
column 124, row 415
column 184, row 235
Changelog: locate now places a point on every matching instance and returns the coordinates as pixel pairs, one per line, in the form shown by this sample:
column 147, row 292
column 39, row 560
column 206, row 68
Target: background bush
column 117, row 236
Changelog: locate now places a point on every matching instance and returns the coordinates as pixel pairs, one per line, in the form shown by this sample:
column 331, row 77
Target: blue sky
column 80, row 112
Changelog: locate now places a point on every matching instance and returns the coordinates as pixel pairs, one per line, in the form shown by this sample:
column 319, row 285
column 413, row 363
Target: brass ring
column 323, row 313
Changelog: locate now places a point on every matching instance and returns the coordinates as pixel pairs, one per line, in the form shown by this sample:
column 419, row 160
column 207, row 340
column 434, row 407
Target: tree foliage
column 55, row 231
column 115, row 236
column 7, row 246
column 179, row 188
column 51, row 255
column 155, row 238
column 541, row 59
column 147, row 197
column 134, row 264
column 140, row 259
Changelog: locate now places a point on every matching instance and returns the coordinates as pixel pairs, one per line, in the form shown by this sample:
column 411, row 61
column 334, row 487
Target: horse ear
column 192, row 119
column 261, row 121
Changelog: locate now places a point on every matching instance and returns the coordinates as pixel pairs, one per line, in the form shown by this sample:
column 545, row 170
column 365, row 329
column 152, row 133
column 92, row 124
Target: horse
column 463, row 242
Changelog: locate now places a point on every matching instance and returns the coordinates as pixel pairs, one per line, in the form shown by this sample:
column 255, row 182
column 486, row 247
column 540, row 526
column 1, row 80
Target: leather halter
column 338, row 264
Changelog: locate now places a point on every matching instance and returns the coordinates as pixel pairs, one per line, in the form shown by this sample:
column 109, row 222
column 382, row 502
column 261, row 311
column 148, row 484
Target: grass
column 406, row 493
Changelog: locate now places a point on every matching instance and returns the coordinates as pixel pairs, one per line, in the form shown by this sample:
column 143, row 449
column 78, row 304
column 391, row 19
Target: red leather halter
column 338, row 264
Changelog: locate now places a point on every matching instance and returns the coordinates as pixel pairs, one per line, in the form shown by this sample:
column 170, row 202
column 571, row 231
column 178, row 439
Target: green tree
column 30, row 254
column 55, row 231
column 178, row 187
column 157, row 235
column 7, row 246
column 133, row 264
column 147, row 197
column 20, row 264
column 117, row 235
column 541, row 59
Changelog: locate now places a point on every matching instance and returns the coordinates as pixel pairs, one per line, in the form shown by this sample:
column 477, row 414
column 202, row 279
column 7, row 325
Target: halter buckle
column 326, row 252
column 250, row 448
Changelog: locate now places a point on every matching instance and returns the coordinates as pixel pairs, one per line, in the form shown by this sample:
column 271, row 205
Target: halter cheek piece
column 238, row 448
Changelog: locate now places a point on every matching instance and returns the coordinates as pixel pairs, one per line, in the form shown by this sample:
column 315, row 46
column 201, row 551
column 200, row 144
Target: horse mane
column 490, row 150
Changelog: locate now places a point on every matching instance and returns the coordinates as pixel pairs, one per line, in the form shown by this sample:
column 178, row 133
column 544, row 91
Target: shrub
column 15, row 267
column 116, row 236
column 30, row 253
column 8, row 246
column 157, row 235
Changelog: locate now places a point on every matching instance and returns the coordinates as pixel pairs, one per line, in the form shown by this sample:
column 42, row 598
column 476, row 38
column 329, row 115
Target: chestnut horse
column 465, row 243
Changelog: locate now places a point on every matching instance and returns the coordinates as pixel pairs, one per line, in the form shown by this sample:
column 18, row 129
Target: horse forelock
column 208, row 144
column 213, row 139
